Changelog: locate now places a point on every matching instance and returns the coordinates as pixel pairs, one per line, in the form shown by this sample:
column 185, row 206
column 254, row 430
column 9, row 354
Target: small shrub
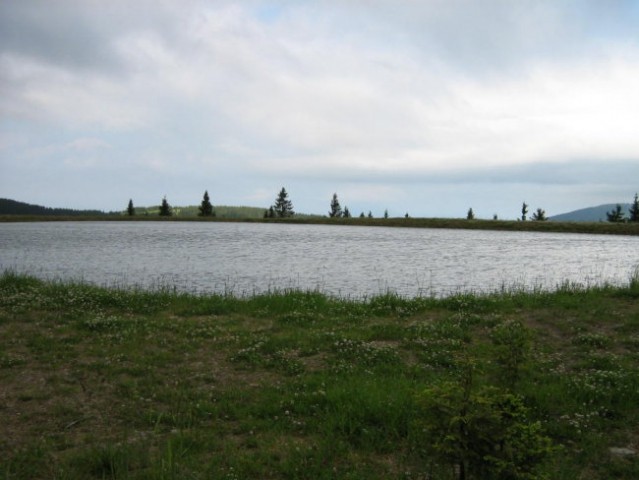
column 484, row 435
column 512, row 344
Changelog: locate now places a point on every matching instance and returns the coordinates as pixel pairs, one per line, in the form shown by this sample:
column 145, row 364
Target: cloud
column 371, row 94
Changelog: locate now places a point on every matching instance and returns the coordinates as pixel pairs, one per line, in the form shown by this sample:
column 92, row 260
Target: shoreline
column 601, row 228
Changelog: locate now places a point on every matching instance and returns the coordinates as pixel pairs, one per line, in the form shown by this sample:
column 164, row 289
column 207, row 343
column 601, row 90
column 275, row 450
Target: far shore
column 604, row 228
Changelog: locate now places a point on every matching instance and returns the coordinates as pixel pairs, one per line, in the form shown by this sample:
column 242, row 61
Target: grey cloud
column 63, row 35
column 566, row 173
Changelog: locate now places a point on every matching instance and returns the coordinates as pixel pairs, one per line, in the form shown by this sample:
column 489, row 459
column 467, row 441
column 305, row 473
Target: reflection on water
column 246, row 259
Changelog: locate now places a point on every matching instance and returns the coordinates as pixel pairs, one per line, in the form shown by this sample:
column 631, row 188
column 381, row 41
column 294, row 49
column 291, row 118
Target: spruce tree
column 165, row 208
column 470, row 215
column 206, row 209
column 385, row 213
column 524, row 211
column 130, row 210
column 539, row 215
column 370, row 214
column 347, row 213
column 634, row 210
column 616, row 215
column 283, row 206
column 336, row 209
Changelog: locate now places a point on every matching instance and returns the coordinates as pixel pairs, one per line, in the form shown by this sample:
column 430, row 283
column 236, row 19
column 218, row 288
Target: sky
column 424, row 107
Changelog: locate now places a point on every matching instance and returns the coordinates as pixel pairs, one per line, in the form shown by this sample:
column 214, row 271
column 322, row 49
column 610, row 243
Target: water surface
column 348, row 261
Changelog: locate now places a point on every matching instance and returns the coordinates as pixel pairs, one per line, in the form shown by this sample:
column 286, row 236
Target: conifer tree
column 130, row 210
column 370, row 214
column 336, row 209
column 206, row 209
column 470, row 215
column 385, row 213
column 361, row 215
column 270, row 213
column 283, row 206
column 524, row 211
column 539, row 215
column 165, row 208
column 616, row 215
column 347, row 213
column 634, row 210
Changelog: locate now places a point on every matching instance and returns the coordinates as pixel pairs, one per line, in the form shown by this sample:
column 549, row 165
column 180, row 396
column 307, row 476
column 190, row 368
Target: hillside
column 223, row 211
column 13, row 207
column 591, row 214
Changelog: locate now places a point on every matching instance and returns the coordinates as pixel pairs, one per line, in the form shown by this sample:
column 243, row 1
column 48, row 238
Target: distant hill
column 591, row 214
column 13, row 207
column 221, row 211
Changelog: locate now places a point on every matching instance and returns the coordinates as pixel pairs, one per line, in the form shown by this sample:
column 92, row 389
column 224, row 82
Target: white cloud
column 347, row 91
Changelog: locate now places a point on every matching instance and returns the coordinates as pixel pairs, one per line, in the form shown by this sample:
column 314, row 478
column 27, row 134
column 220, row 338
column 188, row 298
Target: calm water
column 245, row 259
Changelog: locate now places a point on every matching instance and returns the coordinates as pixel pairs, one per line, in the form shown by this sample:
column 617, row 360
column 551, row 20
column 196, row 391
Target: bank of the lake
column 604, row 228
column 114, row 383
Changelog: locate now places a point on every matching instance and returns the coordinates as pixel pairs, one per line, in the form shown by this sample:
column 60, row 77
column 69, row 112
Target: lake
column 346, row 261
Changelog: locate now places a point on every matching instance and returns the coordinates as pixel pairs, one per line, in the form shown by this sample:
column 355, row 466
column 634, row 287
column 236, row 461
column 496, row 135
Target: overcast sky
column 422, row 107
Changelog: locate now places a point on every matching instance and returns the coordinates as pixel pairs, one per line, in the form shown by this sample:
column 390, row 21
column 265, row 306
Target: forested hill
column 13, row 207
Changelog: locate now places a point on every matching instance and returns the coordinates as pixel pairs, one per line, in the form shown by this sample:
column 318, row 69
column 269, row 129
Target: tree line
column 283, row 208
column 205, row 209
column 617, row 215
column 13, row 207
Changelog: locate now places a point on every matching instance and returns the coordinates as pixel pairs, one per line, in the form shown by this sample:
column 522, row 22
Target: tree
column 370, row 214
column 481, row 434
column 206, row 209
column 634, row 210
column 361, row 215
column 539, row 215
column 336, row 209
column 270, row 213
column 524, row 211
column 385, row 213
column 347, row 213
column 470, row 215
column 495, row 217
column 616, row 215
column 130, row 210
column 165, row 208
column 283, row 206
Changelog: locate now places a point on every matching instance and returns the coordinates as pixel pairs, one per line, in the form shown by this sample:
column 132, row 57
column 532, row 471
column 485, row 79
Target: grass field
column 113, row 383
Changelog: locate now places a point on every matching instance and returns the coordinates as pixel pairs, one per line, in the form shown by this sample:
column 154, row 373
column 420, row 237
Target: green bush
column 483, row 435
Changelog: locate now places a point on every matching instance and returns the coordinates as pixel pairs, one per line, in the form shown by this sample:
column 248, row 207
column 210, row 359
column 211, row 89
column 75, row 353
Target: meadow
column 132, row 384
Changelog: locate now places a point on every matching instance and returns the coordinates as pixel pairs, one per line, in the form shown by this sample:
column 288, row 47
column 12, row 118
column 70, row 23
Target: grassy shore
column 114, row 383
column 605, row 228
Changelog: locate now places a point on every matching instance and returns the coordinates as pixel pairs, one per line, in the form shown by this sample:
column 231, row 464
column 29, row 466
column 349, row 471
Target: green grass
column 114, row 383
